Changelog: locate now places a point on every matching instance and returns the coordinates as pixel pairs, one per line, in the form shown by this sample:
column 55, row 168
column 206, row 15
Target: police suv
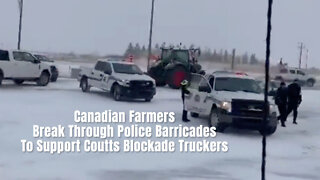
column 120, row 78
column 230, row 100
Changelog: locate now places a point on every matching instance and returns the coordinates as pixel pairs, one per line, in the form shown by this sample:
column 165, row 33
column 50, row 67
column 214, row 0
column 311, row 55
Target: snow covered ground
column 293, row 153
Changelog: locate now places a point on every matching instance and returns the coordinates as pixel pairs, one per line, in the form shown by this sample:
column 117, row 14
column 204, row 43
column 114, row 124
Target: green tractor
column 174, row 66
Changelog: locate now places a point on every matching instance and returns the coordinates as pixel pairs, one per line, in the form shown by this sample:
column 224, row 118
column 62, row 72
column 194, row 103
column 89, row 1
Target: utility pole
column 307, row 58
column 233, row 59
column 150, row 34
column 266, row 92
column 20, row 22
column 301, row 47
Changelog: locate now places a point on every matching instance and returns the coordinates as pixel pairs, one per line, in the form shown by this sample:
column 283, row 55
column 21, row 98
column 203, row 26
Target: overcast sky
column 107, row 26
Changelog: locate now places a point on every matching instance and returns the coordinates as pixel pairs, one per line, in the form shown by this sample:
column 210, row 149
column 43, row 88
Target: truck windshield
column 237, row 84
column 43, row 58
column 126, row 68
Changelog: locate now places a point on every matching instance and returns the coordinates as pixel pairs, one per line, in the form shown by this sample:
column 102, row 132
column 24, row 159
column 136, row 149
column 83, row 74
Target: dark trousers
column 283, row 112
column 293, row 106
column 184, row 112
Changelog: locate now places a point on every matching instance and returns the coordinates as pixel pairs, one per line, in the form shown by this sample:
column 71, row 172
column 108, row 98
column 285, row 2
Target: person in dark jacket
column 294, row 99
column 281, row 100
column 184, row 91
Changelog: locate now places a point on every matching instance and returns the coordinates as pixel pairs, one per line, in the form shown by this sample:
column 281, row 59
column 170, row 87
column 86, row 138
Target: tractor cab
column 179, row 55
column 174, row 66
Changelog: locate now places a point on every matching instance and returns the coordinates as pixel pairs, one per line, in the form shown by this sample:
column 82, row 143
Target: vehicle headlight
column 125, row 83
column 226, row 106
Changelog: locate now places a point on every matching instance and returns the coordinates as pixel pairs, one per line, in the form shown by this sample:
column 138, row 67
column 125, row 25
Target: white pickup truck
column 21, row 66
column 291, row 74
column 121, row 79
column 230, row 100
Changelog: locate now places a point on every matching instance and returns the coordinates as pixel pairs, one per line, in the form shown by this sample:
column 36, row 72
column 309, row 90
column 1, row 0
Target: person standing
column 294, row 99
column 281, row 100
column 184, row 91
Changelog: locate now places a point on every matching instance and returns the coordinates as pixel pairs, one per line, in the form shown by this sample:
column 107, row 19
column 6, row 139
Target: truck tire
column 310, row 82
column 195, row 115
column 214, row 121
column 84, row 85
column 268, row 131
column 148, row 99
column 18, row 81
column 1, row 78
column 116, row 93
column 44, row 79
column 176, row 75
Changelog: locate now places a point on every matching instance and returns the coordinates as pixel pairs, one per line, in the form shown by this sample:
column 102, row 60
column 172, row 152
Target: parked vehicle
column 290, row 74
column 21, row 66
column 230, row 100
column 121, row 79
column 174, row 66
column 53, row 68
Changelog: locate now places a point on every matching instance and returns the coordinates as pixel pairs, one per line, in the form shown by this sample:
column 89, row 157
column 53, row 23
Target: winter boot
column 185, row 116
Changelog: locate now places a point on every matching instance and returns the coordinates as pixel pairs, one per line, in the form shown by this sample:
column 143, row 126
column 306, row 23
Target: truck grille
column 141, row 84
column 247, row 108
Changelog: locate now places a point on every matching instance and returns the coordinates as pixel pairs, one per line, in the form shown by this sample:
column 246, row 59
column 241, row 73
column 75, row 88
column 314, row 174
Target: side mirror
column 108, row 72
column 36, row 61
column 206, row 89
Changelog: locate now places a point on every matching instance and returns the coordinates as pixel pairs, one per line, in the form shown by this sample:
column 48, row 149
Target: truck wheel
column 117, row 93
column 268, row 131
column 310, row 82
column 148, row 99
column 44, row 79
column 195, row 115
column 176, row 76
column 84, row 85
column 214, row 121
column 18, row 81
column 1, row 78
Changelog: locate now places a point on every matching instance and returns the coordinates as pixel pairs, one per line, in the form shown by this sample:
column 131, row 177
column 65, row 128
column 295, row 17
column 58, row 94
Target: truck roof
column 10, row 50
column 222, row 75
column 115, row 61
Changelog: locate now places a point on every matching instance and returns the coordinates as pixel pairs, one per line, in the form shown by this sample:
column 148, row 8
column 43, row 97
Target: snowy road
column 293, row 153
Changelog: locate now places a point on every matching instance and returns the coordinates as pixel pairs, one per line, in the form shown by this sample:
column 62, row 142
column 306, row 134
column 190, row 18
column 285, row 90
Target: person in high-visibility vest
column 184, row 91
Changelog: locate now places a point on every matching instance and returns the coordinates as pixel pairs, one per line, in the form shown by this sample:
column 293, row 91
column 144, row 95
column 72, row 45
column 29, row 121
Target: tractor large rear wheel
column 176, row 75
column 154, row 73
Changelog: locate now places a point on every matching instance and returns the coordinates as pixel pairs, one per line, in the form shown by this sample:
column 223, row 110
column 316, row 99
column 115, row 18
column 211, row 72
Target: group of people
column 288, row 99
